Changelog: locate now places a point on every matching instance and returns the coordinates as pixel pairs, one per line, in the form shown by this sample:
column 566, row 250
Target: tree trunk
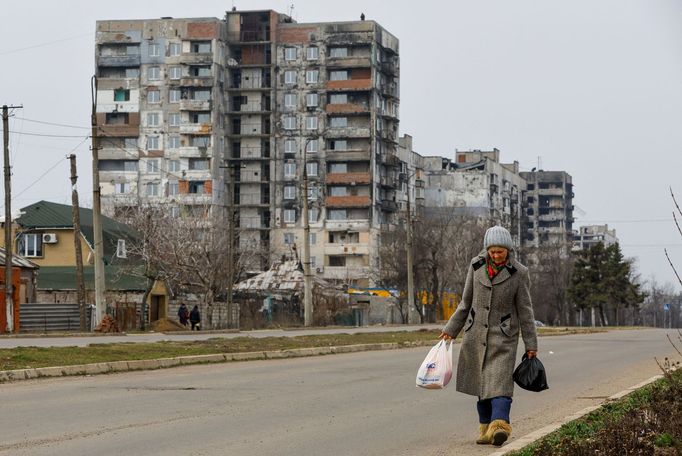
column 143, row 304
column 602, row 316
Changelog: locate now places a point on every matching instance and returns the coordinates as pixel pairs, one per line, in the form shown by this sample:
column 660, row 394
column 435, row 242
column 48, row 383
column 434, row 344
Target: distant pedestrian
column 195, row 318
column 495, row 306
column 183, row 314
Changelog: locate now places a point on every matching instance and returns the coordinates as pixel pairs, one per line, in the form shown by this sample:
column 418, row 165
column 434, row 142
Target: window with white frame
column 289, row 170
column 154, row 50
column 311, row 100
column 173, row 142
column 311, row 169
column 173, row 188
column 311, row 123
column 289, row 238
column 153, row 165
column 30, row 244
column 290, row 77
column 338, row 98
column 121, row 249
column 154, row 96
column 313, row 53
column 174, row 96
column 338, row 52
column 313, row 214
column 312, row 76
column 338, row 214
column 152, row 189
column 174, row 166
column 339, row 122
column 290, row 100
column 312, row 146
column 313, row 262
column 290, row 146
column 121, row 188
column 289, row 122
column 175, row 211
column 338, row 191
column 175, row 72
column 153, row 73
column 289, row 216
column 312, row 238
column 290, row 53
column 338, row 75
column 289, row 192
column 175, row 49
column 153, row 143
column 174, row 119
column 153, row 119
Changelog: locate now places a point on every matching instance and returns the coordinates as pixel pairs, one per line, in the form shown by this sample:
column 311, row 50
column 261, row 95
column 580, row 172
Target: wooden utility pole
column 100, row 302
column 9, row 302
column 75, row 214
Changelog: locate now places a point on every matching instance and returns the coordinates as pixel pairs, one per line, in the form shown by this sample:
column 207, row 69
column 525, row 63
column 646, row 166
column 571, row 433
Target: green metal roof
column 45, row 215
column 64, row 278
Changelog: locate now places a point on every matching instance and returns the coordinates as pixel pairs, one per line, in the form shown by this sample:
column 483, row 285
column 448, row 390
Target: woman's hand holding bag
column 435, row 371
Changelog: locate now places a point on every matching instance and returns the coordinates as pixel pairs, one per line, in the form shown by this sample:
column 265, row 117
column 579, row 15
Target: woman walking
column 495, row 305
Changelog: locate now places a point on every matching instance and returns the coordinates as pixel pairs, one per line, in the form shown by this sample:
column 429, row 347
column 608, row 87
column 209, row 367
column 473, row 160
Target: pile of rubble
column 108, row 325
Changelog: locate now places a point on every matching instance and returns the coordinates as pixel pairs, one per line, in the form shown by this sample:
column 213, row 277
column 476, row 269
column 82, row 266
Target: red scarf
column 494, row 268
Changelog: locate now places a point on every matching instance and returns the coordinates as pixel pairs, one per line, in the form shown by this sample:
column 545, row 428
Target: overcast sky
column 592, row 87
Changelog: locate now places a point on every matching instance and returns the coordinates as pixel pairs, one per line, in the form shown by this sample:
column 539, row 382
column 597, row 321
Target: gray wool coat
column 491, row 314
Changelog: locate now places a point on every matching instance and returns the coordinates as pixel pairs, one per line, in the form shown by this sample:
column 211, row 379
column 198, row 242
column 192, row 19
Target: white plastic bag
column 436, row 370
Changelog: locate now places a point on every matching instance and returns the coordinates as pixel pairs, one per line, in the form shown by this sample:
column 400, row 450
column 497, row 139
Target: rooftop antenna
column 539, row 163
column 291, row 10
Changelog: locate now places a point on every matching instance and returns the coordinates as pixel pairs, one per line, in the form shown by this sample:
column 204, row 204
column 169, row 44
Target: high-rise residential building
column 192, row 110
column 589, row 235
column 549, row 209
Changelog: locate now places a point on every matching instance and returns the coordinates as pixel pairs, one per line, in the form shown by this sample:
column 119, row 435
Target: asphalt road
column 78, row 341
column 352, row 404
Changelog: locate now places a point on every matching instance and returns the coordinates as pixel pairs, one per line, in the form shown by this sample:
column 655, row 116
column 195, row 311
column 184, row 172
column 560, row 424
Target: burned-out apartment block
column 160, row 113
column 548, row 218
column 192, row 110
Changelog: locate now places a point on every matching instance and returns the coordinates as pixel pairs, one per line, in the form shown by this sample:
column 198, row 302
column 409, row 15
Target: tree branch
column 672, row 266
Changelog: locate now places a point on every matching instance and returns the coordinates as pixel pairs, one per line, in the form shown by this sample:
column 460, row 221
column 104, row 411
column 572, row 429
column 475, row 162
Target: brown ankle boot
column 482, row 437
column 498, row 432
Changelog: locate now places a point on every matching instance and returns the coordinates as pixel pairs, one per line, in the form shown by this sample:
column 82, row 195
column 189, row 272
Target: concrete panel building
column 549, row 209
column 589, row 235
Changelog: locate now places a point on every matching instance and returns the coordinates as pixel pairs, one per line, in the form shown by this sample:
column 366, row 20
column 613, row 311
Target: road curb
column 163, row 363
column 527, row 439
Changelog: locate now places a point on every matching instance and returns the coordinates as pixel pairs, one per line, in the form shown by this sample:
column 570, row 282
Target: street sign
column 666, row 307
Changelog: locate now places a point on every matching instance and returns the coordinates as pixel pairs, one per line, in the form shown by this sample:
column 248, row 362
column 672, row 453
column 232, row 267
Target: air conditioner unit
column 319, row 270
column 49, row 238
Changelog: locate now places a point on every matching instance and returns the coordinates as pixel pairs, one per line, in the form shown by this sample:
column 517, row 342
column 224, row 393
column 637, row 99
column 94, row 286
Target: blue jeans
column 496, row 408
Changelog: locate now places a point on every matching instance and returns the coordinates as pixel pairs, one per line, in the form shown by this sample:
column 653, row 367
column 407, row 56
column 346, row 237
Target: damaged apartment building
column 192, row 110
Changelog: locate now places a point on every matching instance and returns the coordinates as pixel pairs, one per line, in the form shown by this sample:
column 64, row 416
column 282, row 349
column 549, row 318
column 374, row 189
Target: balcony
column 197, row 59
column 345, row 272
column 116, row 153
column 348, row 201
column 118, row 60
column 348, row 132
column 349, row 178
column 348, row 155
column 347, row 108
column 194, row 152
column 197, row 82
column 202, row 128
column 389, row 205
column 347, row 225
column 348, row 62
column 551, row 192
column 388, row 181
column 195, row 105
column 350, row 84
column 346, row 249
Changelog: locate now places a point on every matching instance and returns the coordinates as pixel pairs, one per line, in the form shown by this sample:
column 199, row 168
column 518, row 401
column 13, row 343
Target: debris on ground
column 108, row 325
column 166, row 324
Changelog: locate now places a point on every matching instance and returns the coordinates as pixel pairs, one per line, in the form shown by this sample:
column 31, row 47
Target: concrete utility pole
column 75, row 215
column 410, row 260
column 307, row 278
column 100, row 302
column 9, row 302
column 230, row 236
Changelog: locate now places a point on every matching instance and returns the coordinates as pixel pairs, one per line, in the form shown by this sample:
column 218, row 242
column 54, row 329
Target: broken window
column 200, row 71
column 199, row 164
column 121, row 95
column 116, row 118
column 154, row 96
column 200, row 117
column 174, row 96
column 289, row 216
column 338, row 75
column 290, row 53
column 313, row 53
column 312, row 76
column 289, row 192
column 197, row 187
column 290, row 77
column 117, row 165
column 311, row 123
column 201, row 47
column 337, row 260
column 153, row 73
column 175, row 72
column 340, row 144
column 338, row 52
column 289, row 122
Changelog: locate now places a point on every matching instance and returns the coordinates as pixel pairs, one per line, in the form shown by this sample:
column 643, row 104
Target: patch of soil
column 166, row 324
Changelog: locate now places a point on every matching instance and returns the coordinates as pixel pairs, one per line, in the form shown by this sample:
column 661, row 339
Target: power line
column 12, row 51
column 46, row 135
column 52, row 123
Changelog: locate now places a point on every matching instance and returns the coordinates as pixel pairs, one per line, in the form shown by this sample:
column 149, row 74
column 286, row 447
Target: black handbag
column 530, row 374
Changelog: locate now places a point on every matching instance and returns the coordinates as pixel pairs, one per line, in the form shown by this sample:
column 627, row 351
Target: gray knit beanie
column 497, row 236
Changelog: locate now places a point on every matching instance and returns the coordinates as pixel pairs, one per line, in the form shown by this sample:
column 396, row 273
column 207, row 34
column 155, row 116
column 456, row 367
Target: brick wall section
column 208, row 187
column 253, row 55
column 202, row 30
column 347, row 178
column 347, row 201
column 345, row 108
column 183, row 187
column 298, row 35
column 350, row 84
